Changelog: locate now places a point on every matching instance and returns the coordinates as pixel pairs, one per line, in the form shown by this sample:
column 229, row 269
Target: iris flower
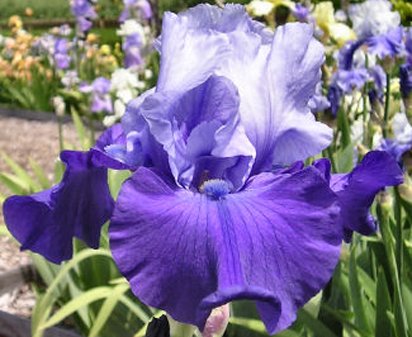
column 137, row 9
column 84, row 12
column 220, row 206
column 61, row 53
column 100, row 92
column 377, row 27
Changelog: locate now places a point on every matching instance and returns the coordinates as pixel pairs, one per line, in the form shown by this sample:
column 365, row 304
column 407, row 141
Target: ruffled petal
column 294, row 71
column 197, row 42
column 276, row 242
column 188, row 56
column 356, row 190
column 388, row 44
column 275, row 76
column 202, row 122
column 79, row 205
column 119, row 151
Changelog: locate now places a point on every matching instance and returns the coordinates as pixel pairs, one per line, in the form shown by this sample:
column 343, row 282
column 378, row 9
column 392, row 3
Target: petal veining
column 276, row 242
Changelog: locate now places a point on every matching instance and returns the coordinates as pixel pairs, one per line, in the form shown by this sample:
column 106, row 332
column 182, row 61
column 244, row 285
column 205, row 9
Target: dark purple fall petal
column 357, row 189
column 276, row 242
column 78, row 206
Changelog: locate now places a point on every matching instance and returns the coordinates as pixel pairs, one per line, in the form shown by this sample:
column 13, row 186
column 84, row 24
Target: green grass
column 60, row 9
column 53, row 9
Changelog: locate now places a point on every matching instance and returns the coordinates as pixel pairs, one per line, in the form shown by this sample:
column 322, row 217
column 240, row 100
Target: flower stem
column 60, row 128
column 387, row 106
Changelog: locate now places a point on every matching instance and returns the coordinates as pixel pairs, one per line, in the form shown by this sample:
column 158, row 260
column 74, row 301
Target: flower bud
column 59, row 106
column 385, row 200
column 158, row 327
column 217, row 322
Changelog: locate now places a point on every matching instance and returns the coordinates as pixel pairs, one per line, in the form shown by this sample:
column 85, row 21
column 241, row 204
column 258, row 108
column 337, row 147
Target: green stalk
column 60, row 128
column 399, row 233
column 365, row 110
column 387, row 106
column 388, row 241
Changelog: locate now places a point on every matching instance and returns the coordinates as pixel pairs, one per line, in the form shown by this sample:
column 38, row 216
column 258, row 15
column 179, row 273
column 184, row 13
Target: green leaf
column 343, row 317
column 40, row 174
column 249, row 323
column 313, row 306
column 4, row 231
column 14, row 184
column 59, row 169
column 257, row 327
column 316, row 326
column 47, row 270
column 344, row 159
column 75, row 304
column 20, row 172
column 134, row 307
column 407, row 303
column 2, row 198
column 368, row 284
column 81, row 130
column 356, row 295
column 116, row 180
column 383, row 326
column 107, row 308
column 344, row 128
column 46, row 303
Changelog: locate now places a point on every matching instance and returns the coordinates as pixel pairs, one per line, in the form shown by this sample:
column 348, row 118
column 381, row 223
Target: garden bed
column 25, row 135
column 13, row 326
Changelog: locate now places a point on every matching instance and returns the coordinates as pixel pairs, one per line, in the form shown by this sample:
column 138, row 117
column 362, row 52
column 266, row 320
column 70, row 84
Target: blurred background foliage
column 110, row 9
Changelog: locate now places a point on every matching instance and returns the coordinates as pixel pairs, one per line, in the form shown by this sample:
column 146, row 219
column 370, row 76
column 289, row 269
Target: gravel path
column 21, row 140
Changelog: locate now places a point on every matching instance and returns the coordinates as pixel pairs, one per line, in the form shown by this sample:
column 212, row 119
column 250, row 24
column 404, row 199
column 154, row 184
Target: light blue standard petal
column 78, row 206
column 276, row 242
column 187, row 56
column 389, row 44
column 294, row 70
column 198, row 43
column 275, row 83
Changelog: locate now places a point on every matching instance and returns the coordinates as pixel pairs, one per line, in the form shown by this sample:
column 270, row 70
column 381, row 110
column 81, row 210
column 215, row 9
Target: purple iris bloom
column 136, row 8
column 76, row 207
column 84, row 12
column 405, row 77
column 334, row 97
column 204, row 219
column 349, row 80
column 389, row 44
column 131, row 48
column 318, row 102
column 61, row 53
column 101, row 101
column 378, row 75
column 408, row 44
column 395, row 149
column 346, row 54
column 301, row 12
column 357, row 189
column 83, row 8
column 53, row 217
column 100, row 89
column 349, row 76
